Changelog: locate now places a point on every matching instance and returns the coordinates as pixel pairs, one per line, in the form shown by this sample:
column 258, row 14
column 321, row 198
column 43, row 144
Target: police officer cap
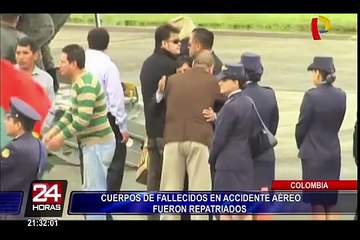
column 325, row 64
column 232, row 71
column 252, row 63
column 19, row 108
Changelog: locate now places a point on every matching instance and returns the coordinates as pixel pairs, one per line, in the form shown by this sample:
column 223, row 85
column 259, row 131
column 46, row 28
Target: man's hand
column 55, row 142
column 161, row 84
column 49, row 135
column 125, row 137
column 209, row 114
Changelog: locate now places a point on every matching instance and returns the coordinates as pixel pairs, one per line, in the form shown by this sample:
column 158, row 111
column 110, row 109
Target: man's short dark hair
column 180, row 61
column 163, row 32
column 28, row 41
column 75, row 53
column 98, row 39
column 204, row 37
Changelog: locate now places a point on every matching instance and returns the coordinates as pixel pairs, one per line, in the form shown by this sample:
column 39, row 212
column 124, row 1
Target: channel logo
column 315, row 29
column 46, row 198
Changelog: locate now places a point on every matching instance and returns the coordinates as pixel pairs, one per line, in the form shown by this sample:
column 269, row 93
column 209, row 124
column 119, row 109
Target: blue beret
column 20, row 108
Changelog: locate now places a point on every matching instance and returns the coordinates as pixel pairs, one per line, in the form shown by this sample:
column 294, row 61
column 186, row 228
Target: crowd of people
column 200, row 116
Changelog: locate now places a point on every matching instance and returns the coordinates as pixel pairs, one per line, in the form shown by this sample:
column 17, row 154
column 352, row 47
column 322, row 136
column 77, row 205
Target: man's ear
column 36, row 55
column 73, row 64
column 198, row 46
column 163, row 44
column 18, row 125
column 212, row 69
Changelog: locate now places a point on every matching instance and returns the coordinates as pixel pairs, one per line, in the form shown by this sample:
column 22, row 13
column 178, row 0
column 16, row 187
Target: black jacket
column 218, row 64
column 154, row 67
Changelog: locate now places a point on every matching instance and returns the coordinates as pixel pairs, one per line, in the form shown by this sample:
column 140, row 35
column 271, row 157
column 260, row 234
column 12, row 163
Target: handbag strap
column 258, row 114
column 39, row 161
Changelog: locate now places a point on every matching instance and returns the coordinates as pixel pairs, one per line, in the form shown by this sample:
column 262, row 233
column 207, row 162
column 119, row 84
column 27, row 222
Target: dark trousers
column 186, row 217
column 117, row 166
column 154, row 175
column 116, row 170
column 212, row 174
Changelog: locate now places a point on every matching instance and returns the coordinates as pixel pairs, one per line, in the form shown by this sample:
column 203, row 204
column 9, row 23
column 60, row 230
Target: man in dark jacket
column 203, row 39
column 161, row 63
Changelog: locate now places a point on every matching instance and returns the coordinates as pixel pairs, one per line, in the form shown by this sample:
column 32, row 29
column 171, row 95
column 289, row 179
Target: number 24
column 52, row 192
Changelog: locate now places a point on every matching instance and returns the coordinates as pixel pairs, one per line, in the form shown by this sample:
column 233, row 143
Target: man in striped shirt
column 87, row 120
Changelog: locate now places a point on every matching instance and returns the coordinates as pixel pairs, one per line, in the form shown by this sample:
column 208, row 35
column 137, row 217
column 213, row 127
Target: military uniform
column 24, row 159
column 9, row 39
column 40, row 27
column 43, row 28
column 265, row 101
column 321, row 115
column 58, row 20
column 230, row 153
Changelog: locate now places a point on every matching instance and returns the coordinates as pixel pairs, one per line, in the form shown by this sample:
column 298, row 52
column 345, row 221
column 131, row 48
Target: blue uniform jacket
column 265, row 101
column 21, row 163
column 234, row 126
column 321, row 115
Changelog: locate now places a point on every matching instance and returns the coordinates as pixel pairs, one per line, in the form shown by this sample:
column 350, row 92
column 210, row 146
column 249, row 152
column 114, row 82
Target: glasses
column 175, row 41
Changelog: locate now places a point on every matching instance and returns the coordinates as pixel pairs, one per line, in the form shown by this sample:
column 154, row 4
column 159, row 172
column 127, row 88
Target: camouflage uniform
column 40, row 27
column 59, row 20
column 9, row 40
column 43, row 28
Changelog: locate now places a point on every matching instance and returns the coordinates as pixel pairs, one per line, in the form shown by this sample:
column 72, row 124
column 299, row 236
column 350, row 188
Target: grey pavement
column 285, row 61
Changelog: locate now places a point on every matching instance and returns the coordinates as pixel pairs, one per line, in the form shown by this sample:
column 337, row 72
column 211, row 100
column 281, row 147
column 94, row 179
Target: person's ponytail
column 330, row 78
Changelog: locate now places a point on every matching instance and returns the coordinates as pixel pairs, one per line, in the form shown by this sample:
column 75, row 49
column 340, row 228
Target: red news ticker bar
column 314, row 185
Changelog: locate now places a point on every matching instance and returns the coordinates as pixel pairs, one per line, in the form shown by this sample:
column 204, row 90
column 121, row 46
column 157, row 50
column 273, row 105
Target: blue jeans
column 97, row 159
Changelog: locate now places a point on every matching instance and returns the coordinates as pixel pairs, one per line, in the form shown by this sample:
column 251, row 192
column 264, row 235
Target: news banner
column 47, row 198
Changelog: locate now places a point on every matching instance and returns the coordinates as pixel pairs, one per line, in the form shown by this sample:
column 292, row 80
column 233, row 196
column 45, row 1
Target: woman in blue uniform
column 321, row 115
column 230, row 153
column 24, row 159
column 265, row 101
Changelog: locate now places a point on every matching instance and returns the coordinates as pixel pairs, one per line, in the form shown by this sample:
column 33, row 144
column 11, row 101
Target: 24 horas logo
column 315, row 27
column 46, row 198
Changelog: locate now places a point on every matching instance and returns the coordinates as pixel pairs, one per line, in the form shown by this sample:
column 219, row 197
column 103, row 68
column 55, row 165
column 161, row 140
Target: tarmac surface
column 285, row 61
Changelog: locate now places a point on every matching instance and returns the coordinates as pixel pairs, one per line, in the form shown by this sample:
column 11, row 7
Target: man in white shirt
column 103, row 68
column 26, row 55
